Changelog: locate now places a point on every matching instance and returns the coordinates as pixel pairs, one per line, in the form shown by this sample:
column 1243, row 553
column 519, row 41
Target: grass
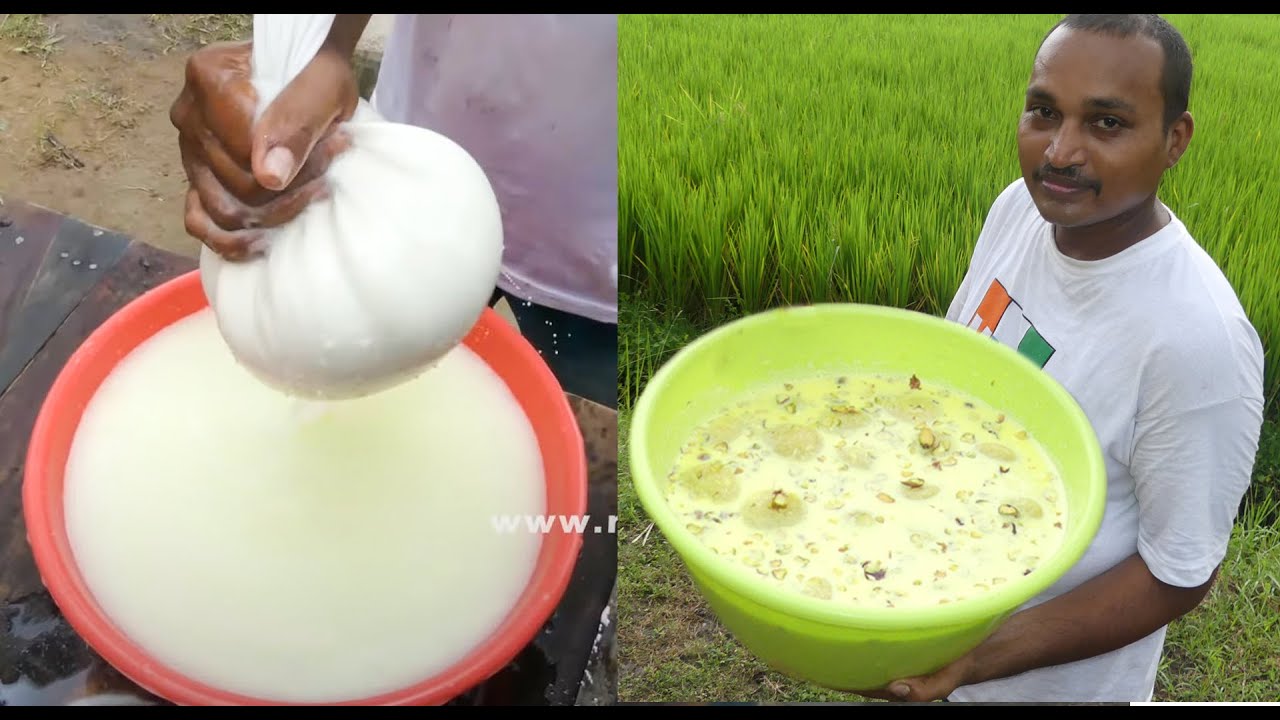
column 98, row 108
column 789, row 159
column 672, row 648
column 1229, row 648
column 188, row 31
column 30, row 35
column 33, row 35
column 105, row 102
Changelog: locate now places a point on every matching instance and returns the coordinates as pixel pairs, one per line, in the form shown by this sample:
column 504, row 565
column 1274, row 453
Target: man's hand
column 246, row 176
column 1115, row 609
column 927, row 688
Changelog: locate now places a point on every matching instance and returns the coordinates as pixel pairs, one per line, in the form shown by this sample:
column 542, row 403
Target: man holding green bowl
column 1087, row 273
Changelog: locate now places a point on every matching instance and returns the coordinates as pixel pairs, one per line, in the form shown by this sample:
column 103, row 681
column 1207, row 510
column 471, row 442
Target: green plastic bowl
column 851, row 648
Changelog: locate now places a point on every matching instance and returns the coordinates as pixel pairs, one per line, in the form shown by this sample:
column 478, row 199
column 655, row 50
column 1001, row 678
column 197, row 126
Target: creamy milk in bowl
column 219, row 542
column 864, row 493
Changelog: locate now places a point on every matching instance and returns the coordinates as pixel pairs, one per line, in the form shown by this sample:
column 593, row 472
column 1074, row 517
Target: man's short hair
column 1175, row 81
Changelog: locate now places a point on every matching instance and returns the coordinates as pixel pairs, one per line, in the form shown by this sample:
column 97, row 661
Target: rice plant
column 780, row 159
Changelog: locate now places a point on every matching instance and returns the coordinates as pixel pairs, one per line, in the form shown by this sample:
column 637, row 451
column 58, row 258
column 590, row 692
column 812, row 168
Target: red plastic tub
column 504, row 349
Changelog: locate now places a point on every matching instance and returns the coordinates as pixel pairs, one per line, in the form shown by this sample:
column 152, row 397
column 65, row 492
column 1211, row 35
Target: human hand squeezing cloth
column 246, row 175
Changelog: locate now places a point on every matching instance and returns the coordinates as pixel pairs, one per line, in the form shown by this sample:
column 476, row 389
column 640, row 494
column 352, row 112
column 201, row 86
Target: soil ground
column 84, row 116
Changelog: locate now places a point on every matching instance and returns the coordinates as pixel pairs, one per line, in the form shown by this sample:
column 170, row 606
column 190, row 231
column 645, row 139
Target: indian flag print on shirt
column 1000, row 317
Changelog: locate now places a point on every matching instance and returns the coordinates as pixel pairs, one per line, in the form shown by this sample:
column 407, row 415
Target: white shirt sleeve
column 1191, row 471
column 1196, row 433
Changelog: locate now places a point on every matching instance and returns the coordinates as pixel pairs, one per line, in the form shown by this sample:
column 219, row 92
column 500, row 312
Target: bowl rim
column 485, row 659
column 746, row 585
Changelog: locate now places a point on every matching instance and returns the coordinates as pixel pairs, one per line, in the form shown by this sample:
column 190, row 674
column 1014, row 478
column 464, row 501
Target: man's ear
column 1179, row 137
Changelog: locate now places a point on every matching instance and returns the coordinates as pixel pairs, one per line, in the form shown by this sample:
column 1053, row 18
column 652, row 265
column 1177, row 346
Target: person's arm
column 245, row 174
column 1115, row 609
column 345, row 34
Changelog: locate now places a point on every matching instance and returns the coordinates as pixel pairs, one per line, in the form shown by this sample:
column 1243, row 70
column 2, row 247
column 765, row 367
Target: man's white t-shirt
column 534, row 98
column 1155, row 347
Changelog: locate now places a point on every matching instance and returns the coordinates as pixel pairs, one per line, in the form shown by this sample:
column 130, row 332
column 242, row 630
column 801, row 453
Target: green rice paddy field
column 769, row 160
column 788, row 159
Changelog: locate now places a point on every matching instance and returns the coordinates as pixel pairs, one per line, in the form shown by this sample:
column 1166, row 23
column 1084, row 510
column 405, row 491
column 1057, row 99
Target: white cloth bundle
column 374, row 284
